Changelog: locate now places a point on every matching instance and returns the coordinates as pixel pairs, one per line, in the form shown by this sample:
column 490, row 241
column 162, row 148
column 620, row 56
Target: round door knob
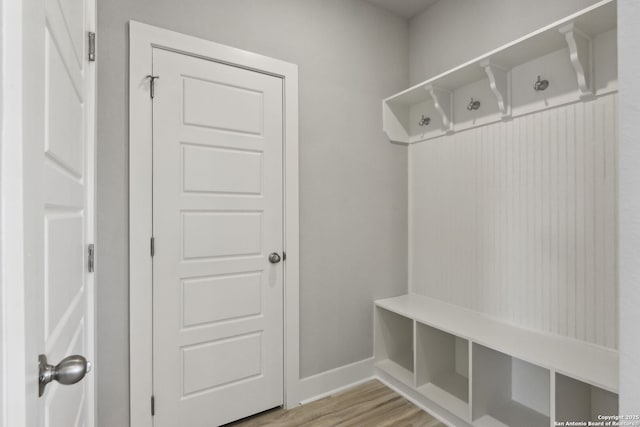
column 69, row 371
column 274, row 258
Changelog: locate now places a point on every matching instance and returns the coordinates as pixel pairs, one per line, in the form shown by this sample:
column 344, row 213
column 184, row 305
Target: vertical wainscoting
column 518, row 220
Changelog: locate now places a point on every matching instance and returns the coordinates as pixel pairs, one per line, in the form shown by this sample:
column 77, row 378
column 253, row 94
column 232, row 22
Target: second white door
column 217, row 218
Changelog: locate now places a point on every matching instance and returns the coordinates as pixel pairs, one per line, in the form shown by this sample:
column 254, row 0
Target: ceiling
column 404, row 8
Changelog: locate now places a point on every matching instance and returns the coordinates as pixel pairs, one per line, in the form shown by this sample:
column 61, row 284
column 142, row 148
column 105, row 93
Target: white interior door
column 217, row 218
column 58, row 210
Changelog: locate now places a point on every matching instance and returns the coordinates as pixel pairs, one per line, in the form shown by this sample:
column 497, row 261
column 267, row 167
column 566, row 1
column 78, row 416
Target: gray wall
column 353, row 182
column 452, row 32
column 629, row 207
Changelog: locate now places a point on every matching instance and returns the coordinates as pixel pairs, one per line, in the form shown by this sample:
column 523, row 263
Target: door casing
column 142, row 39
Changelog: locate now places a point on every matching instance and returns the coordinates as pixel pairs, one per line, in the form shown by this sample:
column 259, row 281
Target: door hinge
column 153, row 405
column 152, row 85
column 153, row 246
column 92, row 46
column 91, row 255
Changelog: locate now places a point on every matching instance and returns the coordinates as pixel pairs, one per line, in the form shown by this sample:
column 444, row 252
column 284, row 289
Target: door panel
column 218, row 170
column 222, row 106
column 214, row 299
column 221, row 234
column 217, row 214
column 222, row 362
column 64, row 209
column 64, row 143
column 64, row 278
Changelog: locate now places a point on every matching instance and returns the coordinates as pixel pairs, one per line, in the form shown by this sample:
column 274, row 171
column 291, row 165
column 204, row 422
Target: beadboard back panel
column 518, row 220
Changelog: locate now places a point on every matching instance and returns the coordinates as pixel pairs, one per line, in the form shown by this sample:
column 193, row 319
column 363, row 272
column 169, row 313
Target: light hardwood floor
column 371, row 404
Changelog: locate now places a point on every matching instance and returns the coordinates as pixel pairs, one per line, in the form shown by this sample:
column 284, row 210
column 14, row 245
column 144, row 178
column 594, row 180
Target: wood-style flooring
column 371, row 404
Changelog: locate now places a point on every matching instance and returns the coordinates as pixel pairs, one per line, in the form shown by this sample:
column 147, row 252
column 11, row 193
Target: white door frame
column 142, row 39
column 628, row 206
column 12, row 348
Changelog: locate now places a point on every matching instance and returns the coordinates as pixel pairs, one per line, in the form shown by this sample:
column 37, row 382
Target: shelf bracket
column 500, row 83
column 443, row 105
column 580, row 54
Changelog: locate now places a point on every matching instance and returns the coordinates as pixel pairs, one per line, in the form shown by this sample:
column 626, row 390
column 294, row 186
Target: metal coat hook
column 473, row 105
column 540, row 85
column 424, row 121
column 152, row 84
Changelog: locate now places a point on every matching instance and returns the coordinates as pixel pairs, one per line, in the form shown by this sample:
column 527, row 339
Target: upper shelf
column 575, row 33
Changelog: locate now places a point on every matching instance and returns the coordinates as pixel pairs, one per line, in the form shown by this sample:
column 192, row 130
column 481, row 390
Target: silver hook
column 424, row 121
column 540, row 85
column 152, row 85
column 473, row 105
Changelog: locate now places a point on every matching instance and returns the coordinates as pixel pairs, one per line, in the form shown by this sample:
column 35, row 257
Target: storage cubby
column 508, row 391
column 474, row 370
column 394, row 345
column 579, row 401
column 442, row 369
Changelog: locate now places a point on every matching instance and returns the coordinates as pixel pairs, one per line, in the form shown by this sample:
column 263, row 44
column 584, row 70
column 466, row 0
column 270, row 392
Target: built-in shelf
column 480, row 371
column 576, row 55
column 466, row 367
column 595, row 365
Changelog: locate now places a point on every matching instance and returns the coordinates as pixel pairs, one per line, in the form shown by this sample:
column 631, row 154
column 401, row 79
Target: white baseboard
column 330, row 382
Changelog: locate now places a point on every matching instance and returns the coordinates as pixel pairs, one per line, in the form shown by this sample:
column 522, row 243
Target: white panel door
column 217, row 217
column 58, row 210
